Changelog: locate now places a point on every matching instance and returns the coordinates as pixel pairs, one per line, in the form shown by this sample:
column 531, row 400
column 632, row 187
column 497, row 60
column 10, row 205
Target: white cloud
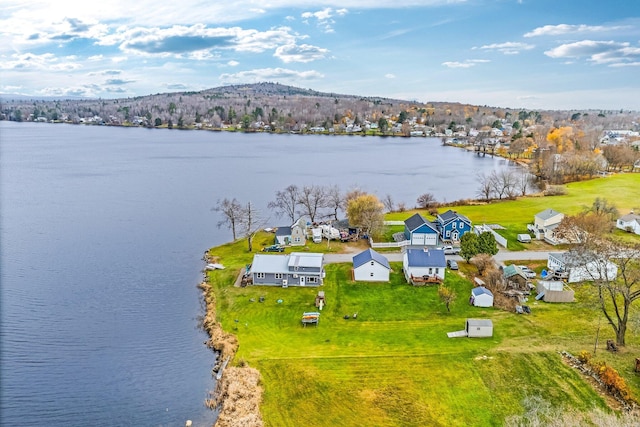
column 233, row 63
column 324, row 18
column 46, row 61
column 467, row 63
column 390, row 76
column 507, row 48
column 599, row 52
column 300, row 53
column 197, row 41
column 560, row 29
column 269, row 74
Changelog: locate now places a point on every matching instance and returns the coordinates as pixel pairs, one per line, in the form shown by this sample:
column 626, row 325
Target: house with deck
column 420, row 232
column 452, row 225
column 294, row 235
column 545, row 224
column 294, row 269
column 370, row 266
column 424, row 265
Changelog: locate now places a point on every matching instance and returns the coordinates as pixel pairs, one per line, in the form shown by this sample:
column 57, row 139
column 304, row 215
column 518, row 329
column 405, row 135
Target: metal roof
column 480, row 290
column 302, row 259
column 370, row 255
column 480, row 322
column 263, row 263
column 426, row 258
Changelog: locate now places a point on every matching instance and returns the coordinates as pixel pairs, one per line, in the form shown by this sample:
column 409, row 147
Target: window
column 430, row 270
column 453, row 225
column 312, row 279
column 371, row 262
column 437, row 271
column 296, row 240
column 461, row 225
column 260, row 275
column 371, row 274
column 278, row 276
column 448, row 233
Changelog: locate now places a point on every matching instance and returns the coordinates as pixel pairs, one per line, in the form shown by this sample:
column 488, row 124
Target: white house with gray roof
column 370, row 266
column 294, row 269
column 545, row 224
column 629, row 222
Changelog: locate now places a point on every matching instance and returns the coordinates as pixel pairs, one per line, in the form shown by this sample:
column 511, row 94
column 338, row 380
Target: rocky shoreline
column 238, row 392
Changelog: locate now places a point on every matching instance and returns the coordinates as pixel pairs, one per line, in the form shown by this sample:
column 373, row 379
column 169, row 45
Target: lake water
column 102, row 232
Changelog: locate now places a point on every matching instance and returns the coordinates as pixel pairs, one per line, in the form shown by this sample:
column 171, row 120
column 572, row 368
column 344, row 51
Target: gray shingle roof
column 451, row 215
column 370, row 255
column 415, row 221
column 283, row 231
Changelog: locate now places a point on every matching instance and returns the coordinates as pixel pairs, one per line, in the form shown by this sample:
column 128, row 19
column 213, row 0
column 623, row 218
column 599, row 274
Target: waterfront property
column 294, row 269
column 370, row 266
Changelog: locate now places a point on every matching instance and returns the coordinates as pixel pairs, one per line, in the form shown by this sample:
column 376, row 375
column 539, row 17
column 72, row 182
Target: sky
column 531, row 54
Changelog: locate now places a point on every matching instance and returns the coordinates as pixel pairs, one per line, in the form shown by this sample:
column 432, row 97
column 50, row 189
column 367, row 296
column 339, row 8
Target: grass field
column 394, row 365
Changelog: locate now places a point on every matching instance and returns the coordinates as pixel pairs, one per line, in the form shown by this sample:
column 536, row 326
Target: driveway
column 500, row 257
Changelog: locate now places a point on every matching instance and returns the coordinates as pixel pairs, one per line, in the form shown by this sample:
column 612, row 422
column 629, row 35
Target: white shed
column 481, row 297
column 479, row 328
column 370, row 266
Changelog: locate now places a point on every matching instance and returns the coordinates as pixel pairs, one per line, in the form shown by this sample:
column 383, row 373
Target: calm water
column 102, row 231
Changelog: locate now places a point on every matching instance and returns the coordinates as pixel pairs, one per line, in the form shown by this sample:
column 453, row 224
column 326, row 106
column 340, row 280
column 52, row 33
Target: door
column 454, row 235
column 301, row 280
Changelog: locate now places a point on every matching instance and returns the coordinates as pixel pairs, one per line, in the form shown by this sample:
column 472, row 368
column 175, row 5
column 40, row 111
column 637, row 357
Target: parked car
column 527, row 271
column 273, row 248
column 451, row 250
column 452, row 264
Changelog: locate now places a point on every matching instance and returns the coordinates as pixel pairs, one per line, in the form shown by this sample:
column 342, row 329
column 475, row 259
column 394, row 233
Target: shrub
column 584, row 356
column 555, row 190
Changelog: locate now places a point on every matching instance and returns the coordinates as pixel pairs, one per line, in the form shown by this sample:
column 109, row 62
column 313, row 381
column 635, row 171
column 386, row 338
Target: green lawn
column 622, row 190
column 394, row 365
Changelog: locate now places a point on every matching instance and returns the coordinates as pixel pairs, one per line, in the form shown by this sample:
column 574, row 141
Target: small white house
column 593, row 270
column 629, row 222
column 481, row 297
column 479, row 328
column 545, row 224
column 370, row 266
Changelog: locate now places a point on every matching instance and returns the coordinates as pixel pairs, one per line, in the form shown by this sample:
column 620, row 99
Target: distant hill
column 287, row 108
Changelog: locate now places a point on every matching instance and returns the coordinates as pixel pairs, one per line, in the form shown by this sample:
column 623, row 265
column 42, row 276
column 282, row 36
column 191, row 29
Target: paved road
column 500, row 257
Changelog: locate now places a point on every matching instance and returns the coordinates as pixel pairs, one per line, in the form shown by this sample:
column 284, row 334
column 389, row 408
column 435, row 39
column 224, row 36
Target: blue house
column 451, row 225
column 420, row 232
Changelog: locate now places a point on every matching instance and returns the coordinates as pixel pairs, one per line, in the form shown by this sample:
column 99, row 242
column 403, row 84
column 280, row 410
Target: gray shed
column 478, row 328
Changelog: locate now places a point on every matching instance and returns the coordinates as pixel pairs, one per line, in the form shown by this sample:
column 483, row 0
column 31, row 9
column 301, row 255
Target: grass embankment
column 394, row 365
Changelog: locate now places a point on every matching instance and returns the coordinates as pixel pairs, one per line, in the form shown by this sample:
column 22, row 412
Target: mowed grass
column 622, row 190
column 394, row 365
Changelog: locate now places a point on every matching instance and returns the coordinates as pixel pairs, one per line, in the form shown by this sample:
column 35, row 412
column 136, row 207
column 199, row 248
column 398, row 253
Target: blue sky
column 533, row 54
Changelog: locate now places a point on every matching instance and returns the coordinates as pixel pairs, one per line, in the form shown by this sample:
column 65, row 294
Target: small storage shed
column 481, row 297
column 554, row 291
column 479, row 328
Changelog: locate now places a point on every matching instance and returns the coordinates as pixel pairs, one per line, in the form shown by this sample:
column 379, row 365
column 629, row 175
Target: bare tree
column 335, row 201
column 313, row 199
column 616, row 292
column 286, row 202
column 426, row 200
column 232, row 214
column 388, row 203
column 523, row 182
column 485, row 189
column 250, row 223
